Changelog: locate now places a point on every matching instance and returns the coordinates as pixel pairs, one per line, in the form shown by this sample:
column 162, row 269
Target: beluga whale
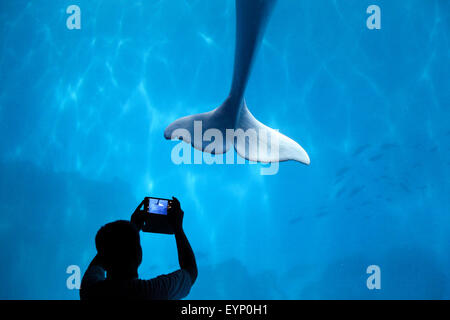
column 260, row 143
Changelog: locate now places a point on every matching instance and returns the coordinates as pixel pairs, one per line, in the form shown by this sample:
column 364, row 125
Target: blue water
column 82, row 115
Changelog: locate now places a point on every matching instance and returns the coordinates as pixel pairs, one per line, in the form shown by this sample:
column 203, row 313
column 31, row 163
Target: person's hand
column 139, row 217
column 175, row 214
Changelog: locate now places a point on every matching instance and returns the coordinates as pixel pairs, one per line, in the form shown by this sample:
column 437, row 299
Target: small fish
column 342, row 171
column 405, row 187
column 355, row 191
column 376, row 157
column 360, row 149
column 296, row 220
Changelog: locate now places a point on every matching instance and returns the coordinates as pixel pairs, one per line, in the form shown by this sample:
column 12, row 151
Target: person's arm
column 138, row 217
column 186, row 257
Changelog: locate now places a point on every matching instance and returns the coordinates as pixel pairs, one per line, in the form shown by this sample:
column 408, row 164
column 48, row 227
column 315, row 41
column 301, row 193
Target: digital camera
column 157, row 209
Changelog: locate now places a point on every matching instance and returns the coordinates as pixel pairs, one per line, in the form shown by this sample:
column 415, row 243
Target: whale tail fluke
column 264, row 144
column 201, row 130
column 210, row 132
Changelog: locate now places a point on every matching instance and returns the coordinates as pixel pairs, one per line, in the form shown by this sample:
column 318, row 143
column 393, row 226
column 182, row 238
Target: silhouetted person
column 119, row 254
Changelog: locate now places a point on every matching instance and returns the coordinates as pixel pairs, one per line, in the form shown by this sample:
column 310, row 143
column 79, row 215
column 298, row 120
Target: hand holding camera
column 175, row 215
column 138, row 217
column 158, row 215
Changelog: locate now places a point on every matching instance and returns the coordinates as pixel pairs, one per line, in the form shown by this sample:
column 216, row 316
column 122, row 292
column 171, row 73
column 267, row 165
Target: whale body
column 251, row 19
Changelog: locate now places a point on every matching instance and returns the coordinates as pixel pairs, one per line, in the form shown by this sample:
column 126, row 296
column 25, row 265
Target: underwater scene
column 357, row 207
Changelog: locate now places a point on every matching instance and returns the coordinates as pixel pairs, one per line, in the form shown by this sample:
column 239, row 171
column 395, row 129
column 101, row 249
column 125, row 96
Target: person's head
column 119, row 248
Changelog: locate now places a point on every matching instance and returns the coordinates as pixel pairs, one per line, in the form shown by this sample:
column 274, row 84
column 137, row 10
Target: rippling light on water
column 82, row 116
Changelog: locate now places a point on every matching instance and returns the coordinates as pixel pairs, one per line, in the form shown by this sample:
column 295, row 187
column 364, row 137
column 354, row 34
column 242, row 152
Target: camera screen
column 158, row 206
